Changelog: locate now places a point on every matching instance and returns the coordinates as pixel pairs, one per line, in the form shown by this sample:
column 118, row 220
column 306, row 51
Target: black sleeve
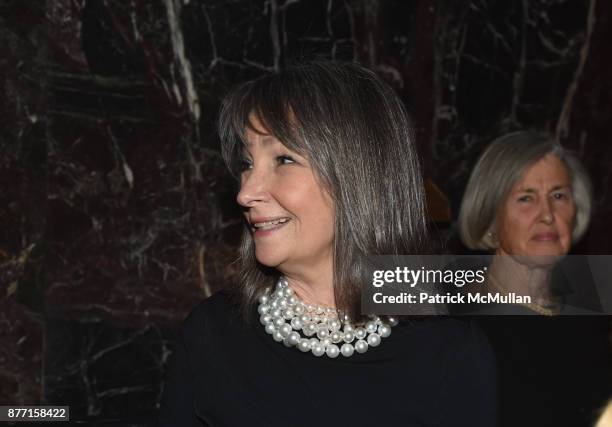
column 469, row 392
column 177, row 402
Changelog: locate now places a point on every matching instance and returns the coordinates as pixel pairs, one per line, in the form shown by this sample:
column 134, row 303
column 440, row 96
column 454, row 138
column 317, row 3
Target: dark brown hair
column 356, row 134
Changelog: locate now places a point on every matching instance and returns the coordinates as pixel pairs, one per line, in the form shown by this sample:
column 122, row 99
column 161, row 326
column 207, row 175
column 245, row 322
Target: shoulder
column 220, row 308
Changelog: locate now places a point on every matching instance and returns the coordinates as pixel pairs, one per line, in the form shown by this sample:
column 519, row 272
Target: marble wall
column 116, row 210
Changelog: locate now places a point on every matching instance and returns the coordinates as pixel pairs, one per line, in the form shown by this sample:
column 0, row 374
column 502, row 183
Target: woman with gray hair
column 527, row 200
column 328, row 175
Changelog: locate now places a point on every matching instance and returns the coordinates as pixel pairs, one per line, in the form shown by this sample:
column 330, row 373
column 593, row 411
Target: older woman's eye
column 525, row 198
column 285, row 160
column 560, row 196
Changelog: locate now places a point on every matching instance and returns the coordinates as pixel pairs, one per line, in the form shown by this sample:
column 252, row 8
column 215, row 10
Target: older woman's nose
column 253, row 188
column 546, row 211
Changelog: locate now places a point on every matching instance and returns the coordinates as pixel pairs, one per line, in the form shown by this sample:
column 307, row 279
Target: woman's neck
column 508, row 273
column 313, row 285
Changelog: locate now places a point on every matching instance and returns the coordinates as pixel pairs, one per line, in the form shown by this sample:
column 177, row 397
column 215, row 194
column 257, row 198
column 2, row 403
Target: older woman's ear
column 490, row 239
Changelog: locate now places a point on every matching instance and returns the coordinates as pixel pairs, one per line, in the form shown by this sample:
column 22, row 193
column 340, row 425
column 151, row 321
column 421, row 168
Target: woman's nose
column 253, row 188
column 546, row 212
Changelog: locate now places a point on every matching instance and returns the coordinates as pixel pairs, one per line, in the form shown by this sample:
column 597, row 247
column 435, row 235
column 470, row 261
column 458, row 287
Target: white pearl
column 310, row 307
column 305, row 318
column 393, row 321
column 318, row 350
column 360, row 333
column 296, row 323
column 285, row 330
column 263, row 309
column 336, row 337
column 277, row 336
column 299, row 309
column 370, row 327
column 310, row 329
column 264, row 299
column 332, row 351
column 373, row 340
column 274, row 304
column 279, row 321
column 361, row 346
column 326, row 342
column 348, row 337
column 288, row 291
column 304, row 345
column 276, row 312
column 270, row 328
column 292, row 300
column 293, row 338
column 348, row 327
column 282, row 303
column 347, row 350
column 322, row 332
column 288, row 313
column 384, row 330
column 334, row 325
column 265, row 319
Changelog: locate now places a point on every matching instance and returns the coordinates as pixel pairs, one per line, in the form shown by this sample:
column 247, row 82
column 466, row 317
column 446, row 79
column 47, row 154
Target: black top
column 553, row 371
column 224, row 372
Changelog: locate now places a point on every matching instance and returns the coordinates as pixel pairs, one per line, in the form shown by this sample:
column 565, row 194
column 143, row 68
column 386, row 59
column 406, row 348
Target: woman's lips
column 265, row 226
column 545, row 237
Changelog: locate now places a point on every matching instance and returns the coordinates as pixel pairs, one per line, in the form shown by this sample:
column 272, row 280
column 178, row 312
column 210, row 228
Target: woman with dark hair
column 328, row 176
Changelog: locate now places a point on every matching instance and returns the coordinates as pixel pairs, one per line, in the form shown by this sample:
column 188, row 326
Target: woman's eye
column 285, row 160
column 560, row 196
column 525, row 198
column 244, row 164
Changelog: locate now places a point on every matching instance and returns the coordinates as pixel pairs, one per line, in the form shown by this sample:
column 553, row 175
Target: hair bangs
column 251, row 107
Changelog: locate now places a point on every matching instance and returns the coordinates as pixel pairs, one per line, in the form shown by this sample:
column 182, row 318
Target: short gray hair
column 503, row 164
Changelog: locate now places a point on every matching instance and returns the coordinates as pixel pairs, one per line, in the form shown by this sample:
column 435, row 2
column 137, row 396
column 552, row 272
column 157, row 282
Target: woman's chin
column 541, row 256
column 268, row 259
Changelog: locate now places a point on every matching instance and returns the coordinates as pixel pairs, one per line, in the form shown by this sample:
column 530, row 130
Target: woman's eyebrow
column 534, row 190
column 560, row 187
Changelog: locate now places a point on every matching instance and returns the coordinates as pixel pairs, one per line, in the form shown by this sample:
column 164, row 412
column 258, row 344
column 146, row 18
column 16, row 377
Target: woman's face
column 290, row 215
column 538, row 216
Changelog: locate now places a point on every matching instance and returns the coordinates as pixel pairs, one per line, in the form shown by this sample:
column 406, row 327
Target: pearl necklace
column 284, row 315
column 551, row 310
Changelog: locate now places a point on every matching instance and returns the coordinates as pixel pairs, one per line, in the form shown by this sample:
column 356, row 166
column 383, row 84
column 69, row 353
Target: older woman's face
column 538, row 216
column 290, row 215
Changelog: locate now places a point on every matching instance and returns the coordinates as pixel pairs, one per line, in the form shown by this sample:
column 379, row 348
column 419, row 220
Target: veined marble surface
column 117, row 212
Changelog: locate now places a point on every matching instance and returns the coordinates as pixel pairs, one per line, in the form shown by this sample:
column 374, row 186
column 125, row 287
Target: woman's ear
column 491, row 239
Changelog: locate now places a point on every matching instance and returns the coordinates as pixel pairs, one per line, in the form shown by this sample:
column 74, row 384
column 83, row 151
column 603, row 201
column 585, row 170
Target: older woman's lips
column 546, row 237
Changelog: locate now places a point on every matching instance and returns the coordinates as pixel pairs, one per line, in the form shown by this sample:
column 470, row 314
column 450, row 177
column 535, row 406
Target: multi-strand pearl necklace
column 316, row 329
